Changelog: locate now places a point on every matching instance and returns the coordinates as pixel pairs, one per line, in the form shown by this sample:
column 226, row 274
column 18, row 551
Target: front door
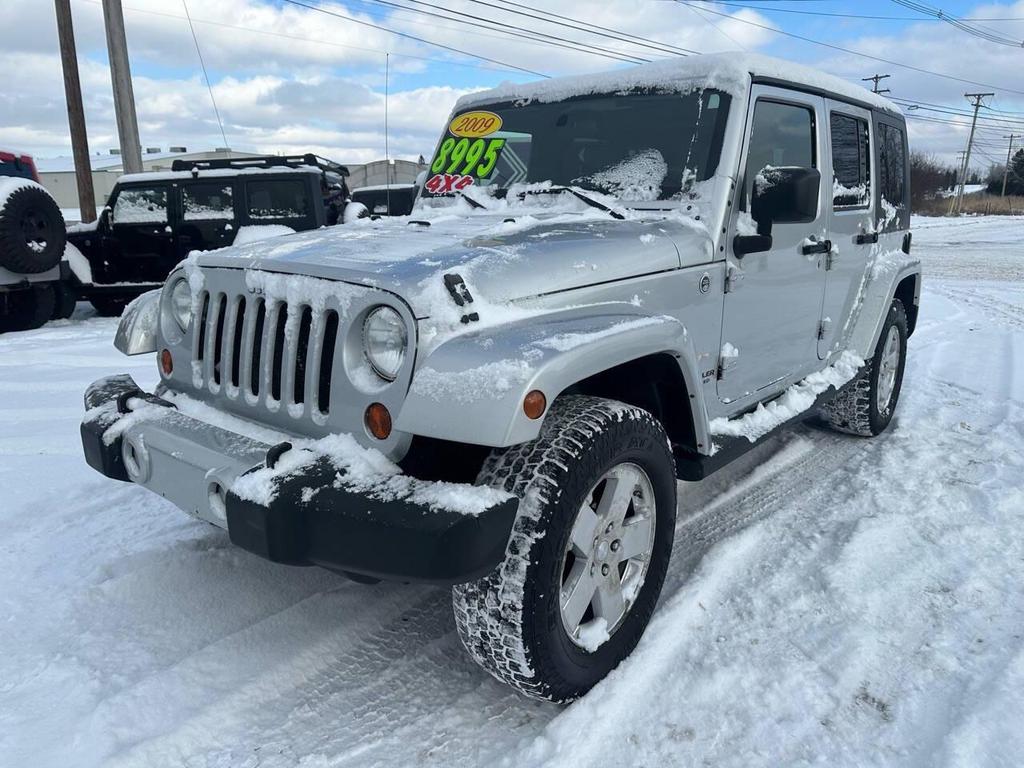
column 851, row 220
column 208, row 216
column 141, row 246
column 773, row 305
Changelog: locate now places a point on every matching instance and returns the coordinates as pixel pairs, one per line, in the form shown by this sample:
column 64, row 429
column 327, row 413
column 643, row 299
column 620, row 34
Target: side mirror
column 781, row 195
column 784, row 195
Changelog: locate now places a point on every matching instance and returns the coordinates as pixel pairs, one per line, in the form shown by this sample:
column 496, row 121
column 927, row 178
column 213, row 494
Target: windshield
column 636, row 147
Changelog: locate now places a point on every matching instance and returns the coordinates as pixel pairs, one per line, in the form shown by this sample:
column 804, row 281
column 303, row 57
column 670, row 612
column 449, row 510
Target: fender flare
column 470, row 388
column 887, row 271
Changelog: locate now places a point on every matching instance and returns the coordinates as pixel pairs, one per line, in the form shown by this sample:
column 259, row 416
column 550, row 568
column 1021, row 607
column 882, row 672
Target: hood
column 501, row 257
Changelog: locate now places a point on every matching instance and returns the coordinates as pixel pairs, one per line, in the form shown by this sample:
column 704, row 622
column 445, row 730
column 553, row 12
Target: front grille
column 266, row 352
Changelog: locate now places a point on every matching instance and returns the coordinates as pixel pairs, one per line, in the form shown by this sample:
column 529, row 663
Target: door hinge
column 733, row 278
column 823, row 327
column 830, row 260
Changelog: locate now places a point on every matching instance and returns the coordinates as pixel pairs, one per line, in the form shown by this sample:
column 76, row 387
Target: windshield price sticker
column 474, row 125
column 467, row 157
column 447, row 183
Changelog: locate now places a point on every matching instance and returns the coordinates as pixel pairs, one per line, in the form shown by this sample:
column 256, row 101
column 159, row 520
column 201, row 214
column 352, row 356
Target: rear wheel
column 27, row 309
column 67, row 299
column 588, row 552
column 865, row 406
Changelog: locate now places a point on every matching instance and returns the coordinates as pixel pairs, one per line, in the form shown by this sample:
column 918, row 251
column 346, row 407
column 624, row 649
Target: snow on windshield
column 634, row 178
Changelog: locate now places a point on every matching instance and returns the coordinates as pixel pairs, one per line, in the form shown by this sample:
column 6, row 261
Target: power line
column 855, row 53
column 206, row 75
column 972, row 29
column 316, row 41
column 864, row 17
column 514, row 31
column 581, row 26
column 412, row 37
column 716, row 27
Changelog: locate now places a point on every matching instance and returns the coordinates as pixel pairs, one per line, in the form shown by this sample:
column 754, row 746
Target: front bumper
column 311, row 517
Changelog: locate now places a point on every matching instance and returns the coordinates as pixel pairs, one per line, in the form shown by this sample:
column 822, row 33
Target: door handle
column 864, row 239
column 816, row 246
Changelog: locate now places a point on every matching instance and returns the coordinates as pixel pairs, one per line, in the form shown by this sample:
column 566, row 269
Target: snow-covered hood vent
column 500, row 258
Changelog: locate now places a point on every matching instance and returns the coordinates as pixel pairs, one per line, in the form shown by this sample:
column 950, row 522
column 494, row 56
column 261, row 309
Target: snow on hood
column 516, row 250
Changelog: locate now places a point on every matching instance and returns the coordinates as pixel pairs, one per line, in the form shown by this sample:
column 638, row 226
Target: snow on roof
column 729, row 72
column 213, row 173
column 384, row 187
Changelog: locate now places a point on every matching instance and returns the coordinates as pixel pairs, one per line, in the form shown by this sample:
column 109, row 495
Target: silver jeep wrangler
column 607, row 283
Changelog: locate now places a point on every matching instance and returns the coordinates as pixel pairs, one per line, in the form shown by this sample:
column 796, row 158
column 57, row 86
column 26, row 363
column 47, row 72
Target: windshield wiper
column 473, row 203
column 579, row 196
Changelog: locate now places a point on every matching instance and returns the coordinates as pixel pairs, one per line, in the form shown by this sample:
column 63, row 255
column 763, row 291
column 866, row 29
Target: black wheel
column 66, row 300
column 865, row 406
column 588, row 553
column 27, row 309
column 106, row 306
column 32, row 234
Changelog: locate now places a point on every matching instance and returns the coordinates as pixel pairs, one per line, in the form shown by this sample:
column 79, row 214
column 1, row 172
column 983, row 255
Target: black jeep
column 154, row 220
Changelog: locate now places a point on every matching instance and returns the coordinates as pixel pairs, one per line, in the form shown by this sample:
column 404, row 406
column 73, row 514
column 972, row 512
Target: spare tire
column 32, row 233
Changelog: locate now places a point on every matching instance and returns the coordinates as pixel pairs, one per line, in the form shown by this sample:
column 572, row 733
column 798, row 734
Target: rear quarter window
column 203, row 202
column 851, row 161
column 277, row 199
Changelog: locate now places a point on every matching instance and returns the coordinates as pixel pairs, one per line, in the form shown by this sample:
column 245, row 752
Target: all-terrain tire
column 510, row 620
column 855, row 408
column 32, row 233
column 28, row 309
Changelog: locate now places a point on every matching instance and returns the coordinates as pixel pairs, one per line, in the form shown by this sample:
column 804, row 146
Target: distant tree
column 928, row 177
column 1015, row 179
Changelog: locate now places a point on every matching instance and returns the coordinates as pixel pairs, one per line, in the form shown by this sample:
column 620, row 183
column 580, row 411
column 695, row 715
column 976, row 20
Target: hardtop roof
column 729, row 72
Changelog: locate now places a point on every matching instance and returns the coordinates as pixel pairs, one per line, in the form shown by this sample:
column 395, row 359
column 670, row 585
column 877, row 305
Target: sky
column 303, row 76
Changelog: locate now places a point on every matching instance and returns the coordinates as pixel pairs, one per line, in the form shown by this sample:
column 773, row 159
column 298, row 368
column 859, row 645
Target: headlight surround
column 384, row 342
column 180, row 303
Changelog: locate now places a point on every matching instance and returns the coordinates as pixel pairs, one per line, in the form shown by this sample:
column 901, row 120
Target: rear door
column 280, row 201
column 208, row 215
column 141, row 246
column 851, row 218
column 771, row 311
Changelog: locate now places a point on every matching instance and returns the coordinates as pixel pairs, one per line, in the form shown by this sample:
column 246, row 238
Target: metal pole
column 76, row 113
column 387, row 155
column 970, row 140
column 124, row 97
column 1006, row 169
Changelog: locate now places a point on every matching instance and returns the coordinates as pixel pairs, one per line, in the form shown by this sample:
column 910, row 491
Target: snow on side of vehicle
column 78, row 264
column 797, row 399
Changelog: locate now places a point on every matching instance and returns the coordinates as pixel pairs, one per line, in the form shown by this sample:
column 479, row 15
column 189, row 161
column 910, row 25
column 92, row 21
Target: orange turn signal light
column 534, row 404
column 166, row 362
column 378, row 421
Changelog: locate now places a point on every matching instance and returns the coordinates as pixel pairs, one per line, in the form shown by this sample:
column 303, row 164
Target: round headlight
column 384, row 342
column 181, row 303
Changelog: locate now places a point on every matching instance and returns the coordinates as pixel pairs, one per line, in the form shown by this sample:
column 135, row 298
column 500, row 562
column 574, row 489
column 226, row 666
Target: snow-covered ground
column 832, row 600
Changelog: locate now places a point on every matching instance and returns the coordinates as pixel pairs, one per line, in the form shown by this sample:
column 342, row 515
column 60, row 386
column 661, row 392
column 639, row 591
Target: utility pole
column 978, row 98
column 76, row 113
column 1006, row 170
column 876, row 79
column 124, row 97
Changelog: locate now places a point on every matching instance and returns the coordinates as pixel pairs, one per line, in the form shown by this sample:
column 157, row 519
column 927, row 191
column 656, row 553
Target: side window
column 781, row 135
column 141, row 205
column 207, row 201
column 280, row 199
column 891, row 165
column 851, row 162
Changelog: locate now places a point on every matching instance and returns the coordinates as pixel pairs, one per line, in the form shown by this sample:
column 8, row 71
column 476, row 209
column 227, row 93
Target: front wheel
column 588, row 552
column 865, row 406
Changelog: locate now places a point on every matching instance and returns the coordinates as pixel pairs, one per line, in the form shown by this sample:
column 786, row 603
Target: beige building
column 57, row 174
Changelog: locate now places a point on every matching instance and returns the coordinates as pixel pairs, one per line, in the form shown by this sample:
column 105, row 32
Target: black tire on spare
column 32, row 233
column 107, row 306
column 29, row 308
column 855, row 408
column 511, row 620
column 67, row 299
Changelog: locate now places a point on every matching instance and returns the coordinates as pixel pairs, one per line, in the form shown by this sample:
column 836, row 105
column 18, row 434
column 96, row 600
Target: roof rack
column 261, row 161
